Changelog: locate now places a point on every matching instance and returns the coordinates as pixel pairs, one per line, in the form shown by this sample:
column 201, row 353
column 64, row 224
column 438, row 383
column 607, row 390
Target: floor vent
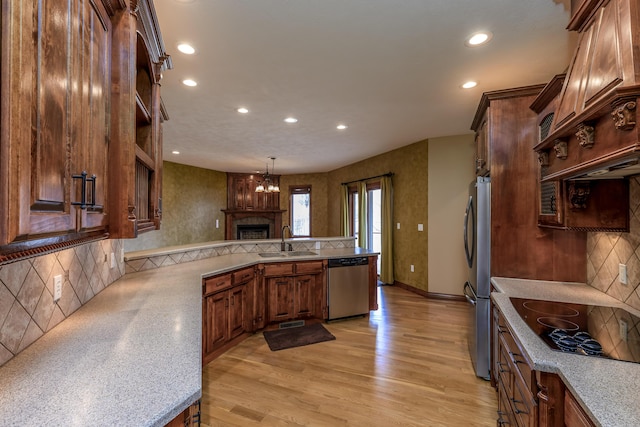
column 292, row 324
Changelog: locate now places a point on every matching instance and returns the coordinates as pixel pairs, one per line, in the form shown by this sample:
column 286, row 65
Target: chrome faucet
column 282, row 244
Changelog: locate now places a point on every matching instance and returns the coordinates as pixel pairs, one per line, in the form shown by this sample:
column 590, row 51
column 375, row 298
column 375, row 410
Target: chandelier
column 268, row 185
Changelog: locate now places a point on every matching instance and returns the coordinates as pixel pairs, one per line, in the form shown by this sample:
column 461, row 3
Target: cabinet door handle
column 501, row 369
column 83, row 200
column 233, row 299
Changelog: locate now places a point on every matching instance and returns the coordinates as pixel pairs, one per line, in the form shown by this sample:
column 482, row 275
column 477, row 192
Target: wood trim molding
column 427, row 294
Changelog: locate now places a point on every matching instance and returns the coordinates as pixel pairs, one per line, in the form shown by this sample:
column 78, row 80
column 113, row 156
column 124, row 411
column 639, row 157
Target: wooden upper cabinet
column 138, row 114
column 242, row 196
column 483, row 149
column 594, row 128
column 56, row 87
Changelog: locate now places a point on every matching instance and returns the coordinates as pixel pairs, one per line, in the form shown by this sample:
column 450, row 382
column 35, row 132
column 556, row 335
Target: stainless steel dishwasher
column 348, row 292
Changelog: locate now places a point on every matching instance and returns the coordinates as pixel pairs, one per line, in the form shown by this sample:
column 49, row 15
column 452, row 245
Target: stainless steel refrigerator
column 477, row 246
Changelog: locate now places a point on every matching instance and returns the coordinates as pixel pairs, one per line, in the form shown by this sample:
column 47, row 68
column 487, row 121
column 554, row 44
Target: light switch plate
column 217, row 223
column 412, row 269
column 420, row 227
column 398, row 225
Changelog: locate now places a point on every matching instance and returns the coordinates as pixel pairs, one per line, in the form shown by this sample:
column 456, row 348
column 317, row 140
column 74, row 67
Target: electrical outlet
column 624, row 328
column 113, row 260
column 122, row 255
column 317, row 245
column 57, row 287
column 622, row 274
column 420, row 227
column 412, row 269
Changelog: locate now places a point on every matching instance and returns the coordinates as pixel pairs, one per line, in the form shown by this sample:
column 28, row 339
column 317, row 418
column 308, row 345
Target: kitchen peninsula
column 132, row 355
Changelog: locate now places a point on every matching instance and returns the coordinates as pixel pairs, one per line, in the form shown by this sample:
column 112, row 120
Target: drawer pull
column 515, row 406
column 502, row 422
column 501, row 369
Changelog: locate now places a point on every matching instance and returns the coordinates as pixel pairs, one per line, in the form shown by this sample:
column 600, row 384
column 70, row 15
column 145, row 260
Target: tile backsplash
column 27, row 309
column 606, row 251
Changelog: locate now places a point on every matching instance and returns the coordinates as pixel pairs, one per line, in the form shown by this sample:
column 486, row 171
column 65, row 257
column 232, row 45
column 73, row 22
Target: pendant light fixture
column 268, row 185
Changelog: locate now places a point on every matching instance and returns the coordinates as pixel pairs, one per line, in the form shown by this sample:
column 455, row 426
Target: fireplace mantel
column 271, row 217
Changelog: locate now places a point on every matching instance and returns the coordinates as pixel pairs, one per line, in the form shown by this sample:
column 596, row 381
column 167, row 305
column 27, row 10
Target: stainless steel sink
column 285, row 254
column 272, row 254
column 300, row 253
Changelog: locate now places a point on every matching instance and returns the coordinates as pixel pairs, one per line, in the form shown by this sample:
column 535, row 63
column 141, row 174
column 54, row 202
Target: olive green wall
column 319, row 198
column 191, row 202
column 410, row 181
column 451, row 169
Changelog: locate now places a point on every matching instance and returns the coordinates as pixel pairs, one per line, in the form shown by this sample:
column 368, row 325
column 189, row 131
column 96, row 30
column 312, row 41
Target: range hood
column 591, row 134
column 616, row 170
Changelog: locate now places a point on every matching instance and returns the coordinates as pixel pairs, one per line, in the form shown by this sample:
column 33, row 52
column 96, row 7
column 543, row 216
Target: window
column 300, row 208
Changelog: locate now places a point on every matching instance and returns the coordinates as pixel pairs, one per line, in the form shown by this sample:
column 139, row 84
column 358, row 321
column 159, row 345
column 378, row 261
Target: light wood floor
column 406, row 365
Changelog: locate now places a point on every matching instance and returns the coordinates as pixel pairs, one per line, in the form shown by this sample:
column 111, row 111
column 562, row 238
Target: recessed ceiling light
column 189, row 82
column 242, row 110
column 186, row 48
column 469, row 85
column 479, row 38
column 341, row 127
column 175, row 152
column 291, row 120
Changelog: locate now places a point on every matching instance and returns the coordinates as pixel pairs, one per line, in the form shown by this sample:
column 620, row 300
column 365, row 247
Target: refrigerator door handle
column 469, row 214
column 471, row 298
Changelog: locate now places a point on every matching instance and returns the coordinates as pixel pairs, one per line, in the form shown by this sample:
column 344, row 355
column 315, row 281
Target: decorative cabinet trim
column 561, row 149
column 579, row 195
column 624, row 115
column 586, row 135
column 543, row 158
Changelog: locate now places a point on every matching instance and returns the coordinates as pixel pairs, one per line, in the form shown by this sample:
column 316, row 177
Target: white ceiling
column 389, row 69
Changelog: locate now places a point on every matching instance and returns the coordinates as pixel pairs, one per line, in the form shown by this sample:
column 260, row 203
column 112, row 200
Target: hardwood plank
column 405, row 365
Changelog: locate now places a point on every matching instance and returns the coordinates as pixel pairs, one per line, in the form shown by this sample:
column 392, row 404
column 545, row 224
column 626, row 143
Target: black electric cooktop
column 590, row 330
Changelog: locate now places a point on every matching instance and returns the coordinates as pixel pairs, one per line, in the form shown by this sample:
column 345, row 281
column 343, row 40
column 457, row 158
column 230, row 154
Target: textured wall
column 319, row 199
column 451, row 170
column 410, row 181
column 605, row 251
column 27, row 310
column 191, row 202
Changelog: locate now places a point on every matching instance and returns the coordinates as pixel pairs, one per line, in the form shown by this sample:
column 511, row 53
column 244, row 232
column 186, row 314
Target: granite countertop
column 130, row 356
column 608, row 390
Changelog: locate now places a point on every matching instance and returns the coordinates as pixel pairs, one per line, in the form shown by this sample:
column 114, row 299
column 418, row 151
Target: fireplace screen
column 252, row 231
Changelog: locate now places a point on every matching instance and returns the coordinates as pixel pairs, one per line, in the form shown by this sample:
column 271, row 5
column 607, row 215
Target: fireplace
column 252, row 231
column 252, row 224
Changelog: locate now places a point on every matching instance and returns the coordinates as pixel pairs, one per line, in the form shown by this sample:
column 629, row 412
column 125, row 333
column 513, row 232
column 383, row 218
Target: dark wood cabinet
column 593, row 133
column 295, row 290
column 517, row 387
column 586, row 204
column 136, row 149
column 72, row 102
column 482, row 141
column 56, row 85
column 526, row 397
column 226, row 310
column 242, row 196
column 574, row 415
column 519, row 248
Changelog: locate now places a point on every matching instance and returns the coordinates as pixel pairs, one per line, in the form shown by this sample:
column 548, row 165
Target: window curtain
column 386, row 252
column 362, row 215
column 344, row 217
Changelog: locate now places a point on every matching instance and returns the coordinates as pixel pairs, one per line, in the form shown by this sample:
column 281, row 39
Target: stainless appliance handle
column 469, row 214
column 471, row 298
